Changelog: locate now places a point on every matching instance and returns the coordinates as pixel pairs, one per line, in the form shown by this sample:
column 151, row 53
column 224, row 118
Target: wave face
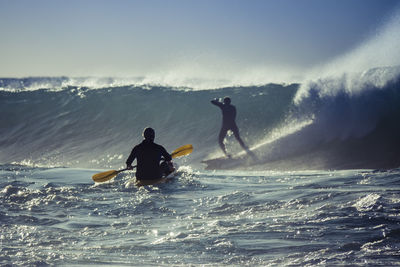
column 97, row 127
column 317, row 125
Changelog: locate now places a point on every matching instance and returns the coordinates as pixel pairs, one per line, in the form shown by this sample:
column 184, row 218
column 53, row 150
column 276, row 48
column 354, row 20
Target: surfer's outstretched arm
column 217, row 103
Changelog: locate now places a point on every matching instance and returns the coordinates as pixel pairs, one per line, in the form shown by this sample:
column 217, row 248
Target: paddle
column 182, row 151
column 108, row 175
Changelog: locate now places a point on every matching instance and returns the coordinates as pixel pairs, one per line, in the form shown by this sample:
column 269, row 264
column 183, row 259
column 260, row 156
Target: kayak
column 152, row 182
column 108, row 175
column 162, row 180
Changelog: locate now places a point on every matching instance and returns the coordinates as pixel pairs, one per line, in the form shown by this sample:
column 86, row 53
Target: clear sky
column 155, row 37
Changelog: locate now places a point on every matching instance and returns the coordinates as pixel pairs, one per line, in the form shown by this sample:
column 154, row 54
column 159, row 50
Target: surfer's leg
column 235, row 131
column 221, row 138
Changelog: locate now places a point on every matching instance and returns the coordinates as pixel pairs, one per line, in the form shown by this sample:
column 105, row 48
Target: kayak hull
column 153, row 182
column 163, row 180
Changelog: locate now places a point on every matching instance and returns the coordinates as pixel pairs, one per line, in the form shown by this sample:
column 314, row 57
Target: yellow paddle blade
column 182, row 151
column 104, row 176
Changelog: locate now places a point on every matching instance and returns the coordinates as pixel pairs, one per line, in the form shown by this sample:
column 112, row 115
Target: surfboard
column 226, row 163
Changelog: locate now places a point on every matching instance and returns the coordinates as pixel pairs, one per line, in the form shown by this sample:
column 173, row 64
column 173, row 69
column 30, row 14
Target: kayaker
column 148, row 156
column 228, row 123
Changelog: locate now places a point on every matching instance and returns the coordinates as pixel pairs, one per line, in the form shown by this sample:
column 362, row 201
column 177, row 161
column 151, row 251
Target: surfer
column 228, row 123
column 148, row 156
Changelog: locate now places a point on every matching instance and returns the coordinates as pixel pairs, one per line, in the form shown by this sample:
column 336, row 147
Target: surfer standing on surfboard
column 148, row 156
column 228, row 123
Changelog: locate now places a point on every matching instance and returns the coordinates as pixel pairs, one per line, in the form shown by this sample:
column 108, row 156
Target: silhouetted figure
column 148, row 156
column 228, row 123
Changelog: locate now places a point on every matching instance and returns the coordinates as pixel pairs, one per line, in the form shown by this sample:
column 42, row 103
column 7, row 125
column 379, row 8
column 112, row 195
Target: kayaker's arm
column 166, row 155
column 131, row 158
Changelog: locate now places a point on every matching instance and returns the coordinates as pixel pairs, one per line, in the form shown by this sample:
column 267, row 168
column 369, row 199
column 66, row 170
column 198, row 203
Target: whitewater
column 325, row 189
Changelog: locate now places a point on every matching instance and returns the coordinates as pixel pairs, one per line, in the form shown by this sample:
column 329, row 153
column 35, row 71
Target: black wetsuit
column 228, row 116
column 148, row 155
column 228, row 123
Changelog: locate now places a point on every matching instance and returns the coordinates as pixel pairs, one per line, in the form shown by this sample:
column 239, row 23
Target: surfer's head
column 149, row 134
column 227, row 100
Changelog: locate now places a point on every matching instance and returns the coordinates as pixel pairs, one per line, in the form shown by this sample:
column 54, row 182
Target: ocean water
column 325, row 190
column 57, row 216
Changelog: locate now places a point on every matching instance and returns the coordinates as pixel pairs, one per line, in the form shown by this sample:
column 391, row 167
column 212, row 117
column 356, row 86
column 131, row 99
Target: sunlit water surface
column 57, row 216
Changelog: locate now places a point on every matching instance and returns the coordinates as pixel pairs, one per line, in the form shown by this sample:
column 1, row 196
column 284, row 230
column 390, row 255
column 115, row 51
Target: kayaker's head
column 227, row 100
column 149, row 134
